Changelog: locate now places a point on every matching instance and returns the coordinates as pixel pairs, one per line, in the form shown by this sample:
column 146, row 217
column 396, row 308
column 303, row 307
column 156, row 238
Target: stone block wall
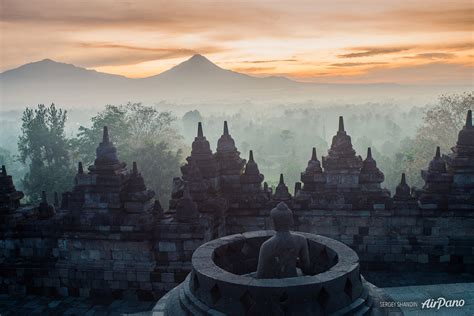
column 119, row 262
column 41, row 257
column 173, row 248
column 385, row 239
column 17, row 270
column 77, row 266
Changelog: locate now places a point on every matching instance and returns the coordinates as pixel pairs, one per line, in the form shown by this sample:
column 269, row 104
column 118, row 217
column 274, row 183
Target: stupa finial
column 402, row 191
column 403, row 181
column 369, row 153
column 56, row 199
column 282, row 181
column 105, row 135
column 469, row 119
column 80, row 168
column 226, row 128
column 4, row 170
column 200, row 133
column 134, row 168
column 341, row 124
column 297, row 187
column 438, row 152
column 313, row 154
column 251, row 156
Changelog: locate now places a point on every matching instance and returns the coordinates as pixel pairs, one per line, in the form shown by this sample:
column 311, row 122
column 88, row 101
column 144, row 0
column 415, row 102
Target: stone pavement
column 413, row 288
column 38, row 305
column 385, row 279
column 412, row 297
column 401, row 286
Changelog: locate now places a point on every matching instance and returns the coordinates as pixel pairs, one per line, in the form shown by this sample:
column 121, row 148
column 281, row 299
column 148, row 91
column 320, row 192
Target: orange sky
column 423, row 41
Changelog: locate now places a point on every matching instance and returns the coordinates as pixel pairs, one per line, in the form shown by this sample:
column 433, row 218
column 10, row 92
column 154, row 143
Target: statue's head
column 282, row 217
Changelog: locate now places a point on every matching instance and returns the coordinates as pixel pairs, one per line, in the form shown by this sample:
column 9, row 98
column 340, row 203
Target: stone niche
column 222, row 282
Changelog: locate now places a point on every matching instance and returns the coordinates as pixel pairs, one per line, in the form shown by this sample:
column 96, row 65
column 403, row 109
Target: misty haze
column 236, row 158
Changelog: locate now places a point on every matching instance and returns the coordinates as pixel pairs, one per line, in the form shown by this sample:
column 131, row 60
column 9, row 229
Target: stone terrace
column 110, row 237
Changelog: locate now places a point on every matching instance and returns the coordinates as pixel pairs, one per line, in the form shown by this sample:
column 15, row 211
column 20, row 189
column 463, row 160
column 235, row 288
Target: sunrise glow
column 428, row 41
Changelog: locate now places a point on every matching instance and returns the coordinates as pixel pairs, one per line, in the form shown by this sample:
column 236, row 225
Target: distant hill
column 47, row 81
column 200, row 71
column 195, row 80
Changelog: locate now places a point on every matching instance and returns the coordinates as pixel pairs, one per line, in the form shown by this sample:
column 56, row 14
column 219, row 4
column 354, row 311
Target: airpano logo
column 441, row 302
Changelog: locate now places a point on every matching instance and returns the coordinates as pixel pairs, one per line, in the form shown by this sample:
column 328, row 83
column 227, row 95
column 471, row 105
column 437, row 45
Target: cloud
column 372, row 51
column 358, row 64
column 431, row 56
column 110, row 54
column 166, row 51
column 430, row 73
column 359, row 52
column 268, row 61
column 245, row 19
column 457, row 46
column 414, row 16
column 173, row 17
column 264, row 70
column 458, row 18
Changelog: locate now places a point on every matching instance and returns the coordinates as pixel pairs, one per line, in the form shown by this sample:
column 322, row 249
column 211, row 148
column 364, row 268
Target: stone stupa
column 274, row 273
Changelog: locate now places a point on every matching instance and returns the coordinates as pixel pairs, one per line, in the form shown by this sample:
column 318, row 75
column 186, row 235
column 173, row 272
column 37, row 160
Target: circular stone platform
column 222, row 282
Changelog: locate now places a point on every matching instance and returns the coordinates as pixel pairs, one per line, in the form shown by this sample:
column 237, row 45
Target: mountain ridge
column 195, row 80
column 196, row 59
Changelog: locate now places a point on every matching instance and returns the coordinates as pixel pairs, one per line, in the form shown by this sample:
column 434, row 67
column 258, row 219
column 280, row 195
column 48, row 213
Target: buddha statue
column 278, row 257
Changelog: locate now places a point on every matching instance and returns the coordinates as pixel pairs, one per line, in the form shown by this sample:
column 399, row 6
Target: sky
column 411, row 42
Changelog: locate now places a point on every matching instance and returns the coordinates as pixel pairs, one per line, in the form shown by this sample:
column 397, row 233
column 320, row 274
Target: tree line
column 401, row 141
column 140, row 133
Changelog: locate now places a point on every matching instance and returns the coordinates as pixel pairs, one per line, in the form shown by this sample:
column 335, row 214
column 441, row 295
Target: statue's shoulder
column 299, row 238
column 268, row 243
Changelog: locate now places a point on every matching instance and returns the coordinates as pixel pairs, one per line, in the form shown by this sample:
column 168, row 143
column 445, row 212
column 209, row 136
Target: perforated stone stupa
column 238, row 275
column 253, row 195
column 313, row 178
column 229, row 166
column 341, row 165
column 9, row 196
column 346, row 181
column 460, row 163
